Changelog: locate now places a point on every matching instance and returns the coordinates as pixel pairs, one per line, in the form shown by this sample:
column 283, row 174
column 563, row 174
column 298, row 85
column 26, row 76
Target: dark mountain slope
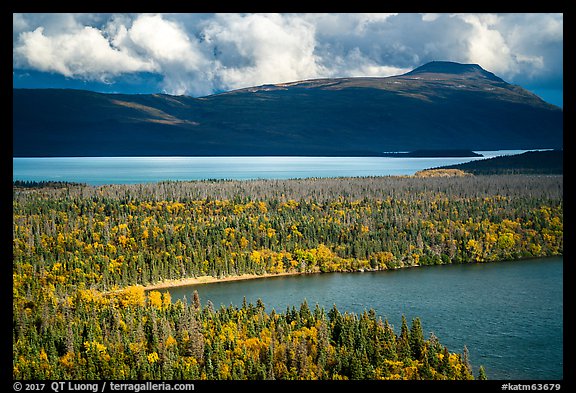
column 440, row 105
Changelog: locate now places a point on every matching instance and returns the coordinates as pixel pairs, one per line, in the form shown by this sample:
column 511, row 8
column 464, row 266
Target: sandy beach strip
column 211, row 280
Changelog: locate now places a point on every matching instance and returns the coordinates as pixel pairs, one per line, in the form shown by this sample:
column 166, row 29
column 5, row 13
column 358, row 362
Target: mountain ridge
column 440, row 105
column 453, row 68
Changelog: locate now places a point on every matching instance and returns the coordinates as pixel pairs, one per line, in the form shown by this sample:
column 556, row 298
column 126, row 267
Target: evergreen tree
column 389, row 341
column 416, row 339
column 403, row 342
column 305, row 313
column 444, row 367
column 482, row 374
column 356, row 369
column 425, row 369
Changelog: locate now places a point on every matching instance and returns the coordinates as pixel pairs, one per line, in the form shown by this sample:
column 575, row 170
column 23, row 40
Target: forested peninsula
column 83, row 254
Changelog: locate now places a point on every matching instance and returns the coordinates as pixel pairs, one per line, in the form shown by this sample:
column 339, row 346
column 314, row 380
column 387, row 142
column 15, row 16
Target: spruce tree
column 403, row 342
column 416, row 339
column 425, row 370
column 482, row 374
column 444, row 366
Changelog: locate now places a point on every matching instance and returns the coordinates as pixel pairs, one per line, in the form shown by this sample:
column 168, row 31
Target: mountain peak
column 453, row 68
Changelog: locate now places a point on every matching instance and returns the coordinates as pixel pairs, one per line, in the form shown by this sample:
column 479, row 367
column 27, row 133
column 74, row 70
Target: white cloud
column 176, row 55
column 518, row 47
column 536, row 41
column 84, row 53
column 430, row 17
column 262, row 48
column 165, row 42
column 486, row 45
column 199, row 54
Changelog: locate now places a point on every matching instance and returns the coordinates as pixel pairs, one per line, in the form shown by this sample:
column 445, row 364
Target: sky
column 201, row 54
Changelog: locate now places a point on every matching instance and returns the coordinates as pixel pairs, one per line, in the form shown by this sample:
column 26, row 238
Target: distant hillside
column 532, row 162
column 440, row 105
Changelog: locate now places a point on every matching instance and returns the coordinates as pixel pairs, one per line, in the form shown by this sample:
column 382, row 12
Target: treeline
column 45, row 184
column 548, row 162
column 133, row 335
column 77, row 249
column 322, row 189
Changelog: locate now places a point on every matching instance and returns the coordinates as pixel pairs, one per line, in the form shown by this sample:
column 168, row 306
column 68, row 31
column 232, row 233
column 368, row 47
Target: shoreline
column 183, row 282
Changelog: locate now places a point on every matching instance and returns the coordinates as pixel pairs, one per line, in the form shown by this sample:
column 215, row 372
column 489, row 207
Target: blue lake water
column 508, row 314
column 130, row 170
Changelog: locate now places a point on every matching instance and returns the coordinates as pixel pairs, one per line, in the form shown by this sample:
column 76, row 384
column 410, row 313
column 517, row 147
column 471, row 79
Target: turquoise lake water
column 126, row 170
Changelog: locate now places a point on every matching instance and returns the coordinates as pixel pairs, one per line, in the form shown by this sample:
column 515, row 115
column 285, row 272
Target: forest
column 546, row 162
column 83, row 254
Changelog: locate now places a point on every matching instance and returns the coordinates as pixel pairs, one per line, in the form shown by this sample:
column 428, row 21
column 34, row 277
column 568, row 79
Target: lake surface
column 508, row 314
column 131, row 170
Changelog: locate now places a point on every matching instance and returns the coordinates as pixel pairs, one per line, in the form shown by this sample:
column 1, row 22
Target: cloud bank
column 200, row 54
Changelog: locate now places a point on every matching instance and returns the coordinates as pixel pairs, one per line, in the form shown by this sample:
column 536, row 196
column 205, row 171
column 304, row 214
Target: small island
column 432, row 153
